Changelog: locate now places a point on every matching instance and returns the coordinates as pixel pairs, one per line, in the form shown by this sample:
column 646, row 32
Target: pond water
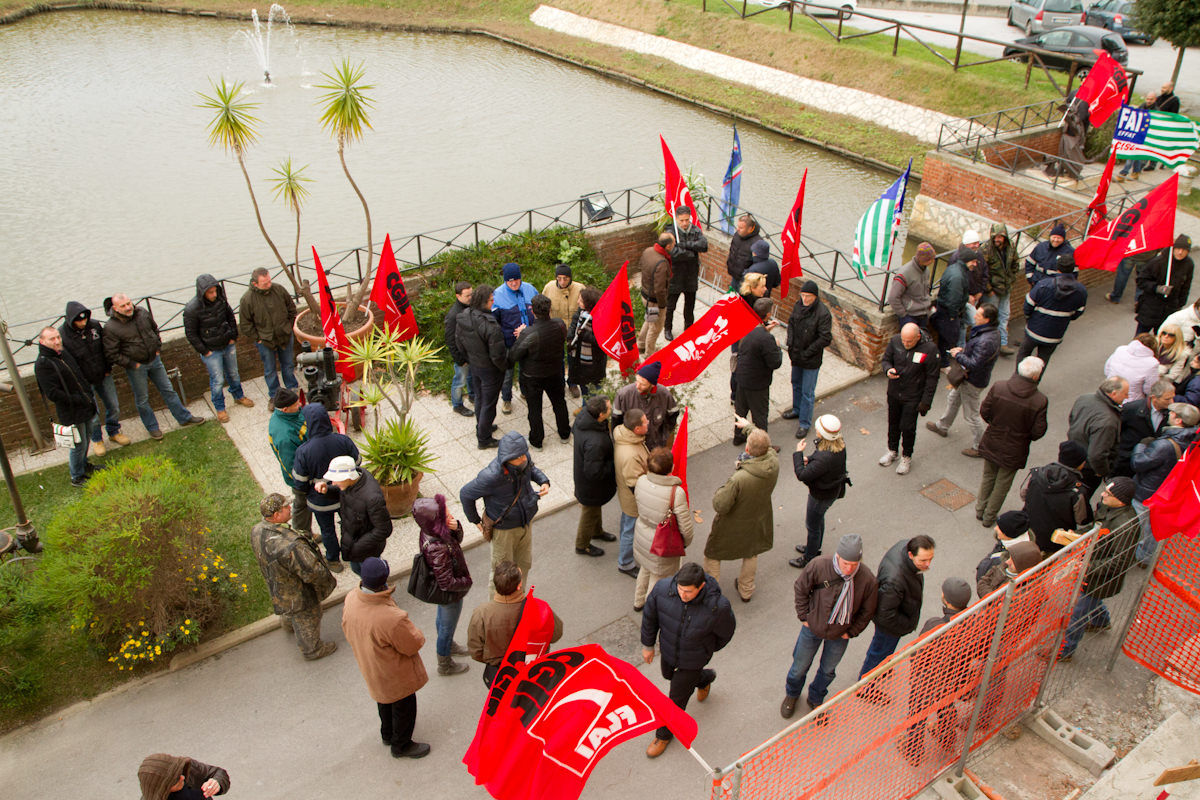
column 108, row 182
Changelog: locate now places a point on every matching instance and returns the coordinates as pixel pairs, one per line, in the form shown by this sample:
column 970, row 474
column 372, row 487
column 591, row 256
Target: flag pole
column 1170, row 261
column 699, row 758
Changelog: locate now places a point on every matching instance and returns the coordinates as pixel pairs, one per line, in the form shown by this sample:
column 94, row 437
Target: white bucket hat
column 828, row 427
column 341, row 468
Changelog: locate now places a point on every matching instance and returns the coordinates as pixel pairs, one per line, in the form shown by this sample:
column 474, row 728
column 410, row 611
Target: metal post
column 1112, row 657
column 895, row 42
column 420, row 259
column 837, row 254
column 791, row 11
column 358, row 262
column 628, row 206
column 985, row 681
column 735, row 786
column 743, row 9
column 530, row 215
column 19, row 388
column 476, row 226
column 1090, row 544
column 962, row 24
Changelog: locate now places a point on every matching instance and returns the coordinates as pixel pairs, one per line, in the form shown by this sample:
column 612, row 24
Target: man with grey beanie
column 836, row 598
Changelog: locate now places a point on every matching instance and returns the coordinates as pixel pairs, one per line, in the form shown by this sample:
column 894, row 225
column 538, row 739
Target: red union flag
column 679, row 451
column 729, row 319
column 675, row 188
column 1104, row 89
column 1099, row 204
column 548, row 723
column 388, row 293
column 1175, row 507
column 331, row 322
column 612, row 321
column 1148, row 224
column 791, row 240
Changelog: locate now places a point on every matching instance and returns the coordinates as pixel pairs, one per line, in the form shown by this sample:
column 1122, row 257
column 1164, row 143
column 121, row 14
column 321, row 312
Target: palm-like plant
column 345, row 115
column 289, row 186
column 387, row 365
column 233, row 128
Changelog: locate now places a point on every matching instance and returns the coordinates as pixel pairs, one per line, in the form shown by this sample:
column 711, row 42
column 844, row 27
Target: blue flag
column 732, row 186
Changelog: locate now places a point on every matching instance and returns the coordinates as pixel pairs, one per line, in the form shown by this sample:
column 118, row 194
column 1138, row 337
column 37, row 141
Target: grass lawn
column 43, row 664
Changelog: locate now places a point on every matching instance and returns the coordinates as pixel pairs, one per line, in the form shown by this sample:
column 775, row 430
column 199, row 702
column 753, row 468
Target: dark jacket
column 655, row 267
column 1167, row 101
column 130, row 341
column 688, row 633
column 901, row 590
column 1055, row 497
column 740, row 256
column 824, row 473
column 977, row 279
column 1001, row 262
column 595, row 470
column 286, row 432
column 979, row 354
column 685, row 259
column 450, row 324
column 1043, row 261
column 918, row 370
column 498, row 483
column 62, row 383
column 267, row 317
column 85, row 346
column 586, row 362
column 1153, row 461
column 366, row 524
column 1152, row 307
column 209, row 325
column 312, row 458
column 817, row 590
column 952, row 291
column 810, row 331
column 1015, row 412
column 479, row 337
column 1095, row 423
column 539, row 348
column 758, row 356
column 441, row 546
column 1114, row 554
column 1051, row 305
column 770, row 268
column 1136, row 424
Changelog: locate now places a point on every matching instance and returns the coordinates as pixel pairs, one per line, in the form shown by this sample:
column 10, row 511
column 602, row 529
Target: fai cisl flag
column 1099, row 204
column 612, row 321
column 1148, row 224
column 790, row 268
column 683, row 359
column 546, row 724
column 331, row 322
column 388, row 293
column 675, row 188
column 1104, row 89
column 1175, row 507
column 679, row 451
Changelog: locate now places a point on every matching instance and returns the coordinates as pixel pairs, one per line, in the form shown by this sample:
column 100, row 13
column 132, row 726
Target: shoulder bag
column 423, row 585
column 486, row 523
column 668, row 541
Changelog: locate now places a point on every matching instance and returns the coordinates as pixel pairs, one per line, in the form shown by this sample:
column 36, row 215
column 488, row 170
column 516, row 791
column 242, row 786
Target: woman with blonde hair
column 825, row 475
column 1173, row 353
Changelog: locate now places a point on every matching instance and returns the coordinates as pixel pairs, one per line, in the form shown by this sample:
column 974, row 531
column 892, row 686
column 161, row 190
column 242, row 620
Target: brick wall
column 1004, row 153
column 981, row 189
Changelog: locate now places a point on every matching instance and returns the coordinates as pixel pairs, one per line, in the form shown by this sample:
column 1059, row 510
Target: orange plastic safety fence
column 1165, row 634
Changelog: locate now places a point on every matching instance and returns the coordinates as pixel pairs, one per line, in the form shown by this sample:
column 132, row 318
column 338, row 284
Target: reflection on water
column 109, row 182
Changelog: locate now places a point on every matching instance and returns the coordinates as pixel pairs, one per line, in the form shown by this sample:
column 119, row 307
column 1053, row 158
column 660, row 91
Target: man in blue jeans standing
column 835, row 600
column 268, row 314
column 901, row 591
column 211, row 328
column 810, row 331
column 131, row 340
column 83, row 338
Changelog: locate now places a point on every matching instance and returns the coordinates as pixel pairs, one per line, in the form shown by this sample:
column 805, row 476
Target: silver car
column 1035, row 16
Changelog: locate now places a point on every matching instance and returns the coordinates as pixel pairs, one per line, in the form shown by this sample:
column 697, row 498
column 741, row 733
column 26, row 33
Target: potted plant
column 398, row 455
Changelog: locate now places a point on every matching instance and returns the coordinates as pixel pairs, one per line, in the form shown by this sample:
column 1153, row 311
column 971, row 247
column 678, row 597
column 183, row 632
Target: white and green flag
column 1154, row 136
column 873, row 237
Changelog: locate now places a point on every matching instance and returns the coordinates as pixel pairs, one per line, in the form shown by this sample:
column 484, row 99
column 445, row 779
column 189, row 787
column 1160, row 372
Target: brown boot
column 448, row 666
column 657, row 747
column 325, row 649
column 245, row 401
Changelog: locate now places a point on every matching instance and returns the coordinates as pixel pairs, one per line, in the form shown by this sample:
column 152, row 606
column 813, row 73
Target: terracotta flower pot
column 317, row 342
column 400, row 496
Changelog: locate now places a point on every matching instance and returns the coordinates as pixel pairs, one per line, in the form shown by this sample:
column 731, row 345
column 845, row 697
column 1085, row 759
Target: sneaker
column 79, row 482
column 245, row 402
column 335, row 566
column 1110, row 299
column 120, row 439
column 590, row 550
column 938, row 429
column 194, row 420
column 222, row 416
column 411, row 750
column 971, row 452
column 325, row 649
column 489, row 444
column 156, row 435
column 904, row 466
column 888, row 458
column 98, row 449
column 463, row 411
column 506, row 406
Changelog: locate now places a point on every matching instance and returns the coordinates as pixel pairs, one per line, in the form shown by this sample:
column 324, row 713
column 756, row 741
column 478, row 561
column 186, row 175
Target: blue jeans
column 460, row 381
column 447, row 621
column 625, row 542
column 328, row 528
column 1137, row 164
column 282, row 357
column 882, row 645
column 222, row 368
column 807, row 644
column 1088, row 611
column 804, row 394
column 106, row 392
column 77, row 458
column 1001, row 302
column 139, row 381
column 1124, row 270
column 814, row 520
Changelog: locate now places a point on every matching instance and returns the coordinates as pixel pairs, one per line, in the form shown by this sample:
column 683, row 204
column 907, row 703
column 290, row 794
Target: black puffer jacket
column 1153, row 461
column 685, row 259
column 586, row 362
column 979, row 355
column 209, row 325
column 810, row 331
column 1152, row 307
column 539, row 348
column 314, row 454
column 441, row 546
column 481, row 340
column 86, row 346
column 1055, row 498
column 1136, row 424
column 62, row 383
column 595, row 470
column 918, row 370
column 740, row 256
column 824, row 473
column 130, row 341
column 366, row 524
column 688, row 633
column 450, row 326
column 901, row 590
column 758, row 357
column 770, row 268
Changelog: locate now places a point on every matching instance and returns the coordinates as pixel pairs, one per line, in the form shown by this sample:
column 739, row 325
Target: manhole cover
column 948, row 495
column 867, row 403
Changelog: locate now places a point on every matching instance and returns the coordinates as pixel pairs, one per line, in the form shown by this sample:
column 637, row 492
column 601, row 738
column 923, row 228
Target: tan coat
column 653, row 496
column 563, row 302
column 629, row 459
column 386, row 644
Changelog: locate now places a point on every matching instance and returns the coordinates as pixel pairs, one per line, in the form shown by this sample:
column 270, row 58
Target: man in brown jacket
column 629, row 459
column 1015, row 412
column 387, row 646
column 655, row 268
column 267, row 314
column 493, row 624
column 836, row 598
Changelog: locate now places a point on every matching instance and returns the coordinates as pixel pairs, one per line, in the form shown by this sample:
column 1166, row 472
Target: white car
column 820, row 8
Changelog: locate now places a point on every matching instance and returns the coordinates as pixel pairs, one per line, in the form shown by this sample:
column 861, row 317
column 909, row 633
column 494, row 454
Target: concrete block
column 1072, row 742
column 955, row 787
column 1172, row 745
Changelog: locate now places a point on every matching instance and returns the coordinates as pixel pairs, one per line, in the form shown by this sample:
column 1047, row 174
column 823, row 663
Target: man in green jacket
column 287, row 431
column 745, row 522
column 1000, row 258
column 267, row 316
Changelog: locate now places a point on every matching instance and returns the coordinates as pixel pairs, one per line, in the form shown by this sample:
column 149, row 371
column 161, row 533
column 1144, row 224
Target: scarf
column 841, row 609
column 658, row 248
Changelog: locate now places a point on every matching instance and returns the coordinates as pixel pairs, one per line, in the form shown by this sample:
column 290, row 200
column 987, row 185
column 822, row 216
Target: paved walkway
column 919, row 122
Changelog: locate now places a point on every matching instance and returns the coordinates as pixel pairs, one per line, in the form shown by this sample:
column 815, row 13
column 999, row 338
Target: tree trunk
column 289, row 271
column 365, row 287
column 1178, row 66
column 305, row 288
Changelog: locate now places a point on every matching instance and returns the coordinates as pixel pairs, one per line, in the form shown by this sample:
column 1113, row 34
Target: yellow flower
column 233, row 575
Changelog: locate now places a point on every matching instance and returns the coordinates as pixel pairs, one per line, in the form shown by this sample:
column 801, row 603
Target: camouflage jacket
column 296, row 574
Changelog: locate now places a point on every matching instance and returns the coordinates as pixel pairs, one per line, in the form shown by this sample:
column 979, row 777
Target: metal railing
column 969, row 132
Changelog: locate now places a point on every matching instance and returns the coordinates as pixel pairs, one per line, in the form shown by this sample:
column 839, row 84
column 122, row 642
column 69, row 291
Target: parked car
column 1074, row 40
column 819, row 8
column 1035, row 16
column 1117, row 16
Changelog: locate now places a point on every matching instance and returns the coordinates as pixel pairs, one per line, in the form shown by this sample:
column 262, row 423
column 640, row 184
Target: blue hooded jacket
column 313, row 456
column 498, row 483
column 513, row 309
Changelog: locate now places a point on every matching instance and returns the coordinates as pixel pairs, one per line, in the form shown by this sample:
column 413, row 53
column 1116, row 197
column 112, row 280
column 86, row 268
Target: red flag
column 1099, row 204
column 331, row 323
column 612, row 321
column 547, row 724
column 1148, row 224
column 531, row 639
column 1175, row 507
column 791, row 240
column 675, row 188
column 388, row 293
column 679, row 451
column 729, row 319
column 1104, row 89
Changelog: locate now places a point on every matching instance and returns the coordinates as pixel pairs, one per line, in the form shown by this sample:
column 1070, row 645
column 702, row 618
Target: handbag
column 956, row 374
column 66, row 436
column 423, row 585
column 668, row 541
column 486, row 523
